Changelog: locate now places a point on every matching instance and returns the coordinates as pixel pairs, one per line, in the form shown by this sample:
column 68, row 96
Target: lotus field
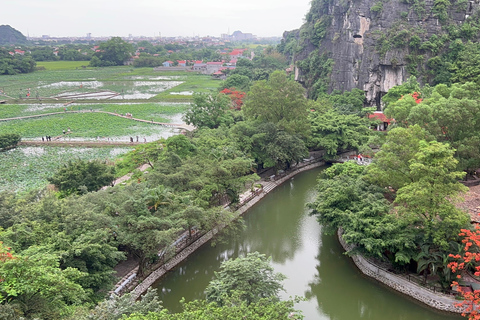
column 88, row 123
column 69, row 96
column 27, row 168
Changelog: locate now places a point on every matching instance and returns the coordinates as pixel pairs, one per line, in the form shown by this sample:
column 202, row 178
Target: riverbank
column 248, row 200
column 435, row 300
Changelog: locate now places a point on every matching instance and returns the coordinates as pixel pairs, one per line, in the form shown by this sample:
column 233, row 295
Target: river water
column 314, row 263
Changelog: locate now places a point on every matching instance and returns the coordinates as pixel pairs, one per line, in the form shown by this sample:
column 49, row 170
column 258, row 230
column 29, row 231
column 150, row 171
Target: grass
column 27, row 168
column 62, row 65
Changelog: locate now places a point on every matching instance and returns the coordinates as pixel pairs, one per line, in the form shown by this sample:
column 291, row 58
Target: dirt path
column 68, row 143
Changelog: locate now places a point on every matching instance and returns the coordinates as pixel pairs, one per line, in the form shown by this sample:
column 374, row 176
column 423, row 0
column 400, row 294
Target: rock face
column 369, row 42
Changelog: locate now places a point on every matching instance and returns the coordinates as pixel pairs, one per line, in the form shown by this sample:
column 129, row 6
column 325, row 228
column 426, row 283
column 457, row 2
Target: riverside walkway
column 248, row 199
column 165, row 124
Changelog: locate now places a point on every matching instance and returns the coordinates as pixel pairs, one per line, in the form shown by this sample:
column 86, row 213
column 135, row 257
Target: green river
column 314, row 263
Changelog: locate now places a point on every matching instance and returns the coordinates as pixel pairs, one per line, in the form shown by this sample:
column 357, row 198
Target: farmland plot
column 27, row 168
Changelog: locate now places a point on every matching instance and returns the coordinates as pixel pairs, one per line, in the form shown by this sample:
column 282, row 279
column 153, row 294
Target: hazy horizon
column 103, row 18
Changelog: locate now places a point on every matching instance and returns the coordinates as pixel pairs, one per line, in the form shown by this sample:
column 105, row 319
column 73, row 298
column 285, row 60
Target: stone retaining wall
column 436, row 300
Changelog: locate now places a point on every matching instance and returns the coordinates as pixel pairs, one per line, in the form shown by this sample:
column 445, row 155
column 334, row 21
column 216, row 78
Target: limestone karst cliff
column 374, row 45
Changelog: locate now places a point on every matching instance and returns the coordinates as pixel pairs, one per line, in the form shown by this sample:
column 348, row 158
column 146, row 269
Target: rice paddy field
column 68, row 96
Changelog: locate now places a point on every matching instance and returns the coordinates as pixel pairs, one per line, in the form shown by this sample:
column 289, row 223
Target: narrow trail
column 165, row 124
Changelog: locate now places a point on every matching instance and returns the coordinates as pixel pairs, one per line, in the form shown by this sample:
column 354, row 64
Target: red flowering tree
column 416, row 96
column 236, row 97
column 470, row 259
column 5, row 253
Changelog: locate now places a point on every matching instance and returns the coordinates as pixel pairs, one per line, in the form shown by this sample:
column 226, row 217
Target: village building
column 384, row 121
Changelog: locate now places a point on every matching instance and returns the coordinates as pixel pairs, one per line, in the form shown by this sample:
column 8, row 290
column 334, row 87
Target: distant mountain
column 9, row 35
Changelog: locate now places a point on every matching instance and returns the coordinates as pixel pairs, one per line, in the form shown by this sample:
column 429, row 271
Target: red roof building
column 385, row 122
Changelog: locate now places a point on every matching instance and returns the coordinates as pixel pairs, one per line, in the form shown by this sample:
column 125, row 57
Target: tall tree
column 251, row 276
column 278, row 100
column 113, row 52
column 209, row 110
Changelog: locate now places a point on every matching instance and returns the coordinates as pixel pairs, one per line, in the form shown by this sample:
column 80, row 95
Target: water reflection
column 314, row 263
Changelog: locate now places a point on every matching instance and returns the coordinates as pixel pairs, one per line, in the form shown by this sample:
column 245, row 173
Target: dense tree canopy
column 449, row 114
column 113, row 52
column 14, row 64
column 209, row 110
column 82, row 176
column 280, row 101
column 252, row 277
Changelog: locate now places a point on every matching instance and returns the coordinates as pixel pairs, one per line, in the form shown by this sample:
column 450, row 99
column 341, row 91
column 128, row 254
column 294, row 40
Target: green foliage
column 232, row 310
column 12, row 65
column 269, row 145
column 440, row 8
column 81, row 176
column 395, row 93
column 252, row 277
column 430, row 198
column 377, row 7
column 280, row 101
column 423, row 175
column 35, row 285
column 27, row 168
column 449, row 115
column 209, row 110
column 335, row 132
column 360, row 208
column 320, row 29
column 237, row 81
column 113, row 52
column 116, row 308
column 9, row 140
column 349, row 102
column 317, row 68
column 465, row 67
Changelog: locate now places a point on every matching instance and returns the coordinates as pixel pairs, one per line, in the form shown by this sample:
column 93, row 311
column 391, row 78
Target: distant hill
column 9, row 35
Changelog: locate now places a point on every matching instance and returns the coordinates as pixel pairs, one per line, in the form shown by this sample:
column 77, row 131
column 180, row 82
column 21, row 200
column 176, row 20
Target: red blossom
column 236, row 97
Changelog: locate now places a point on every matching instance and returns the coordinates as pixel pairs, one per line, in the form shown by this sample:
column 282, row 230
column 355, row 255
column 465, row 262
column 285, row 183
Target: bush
column 80, row 176
column 9, row 140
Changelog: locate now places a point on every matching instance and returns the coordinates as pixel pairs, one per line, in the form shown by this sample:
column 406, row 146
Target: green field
column 144, row 93
column 62, row 65
column 27, row 168
column 160, row 112
column 133, row 84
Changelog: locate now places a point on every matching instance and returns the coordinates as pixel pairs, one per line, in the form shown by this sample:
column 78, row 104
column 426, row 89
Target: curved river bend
column 280, row 227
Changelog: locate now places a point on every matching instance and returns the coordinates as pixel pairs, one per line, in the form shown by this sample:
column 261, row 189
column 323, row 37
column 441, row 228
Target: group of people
column 144, row 139
column 47, row 138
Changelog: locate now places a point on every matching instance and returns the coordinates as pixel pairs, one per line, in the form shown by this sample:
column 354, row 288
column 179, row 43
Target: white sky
column 150, row 17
